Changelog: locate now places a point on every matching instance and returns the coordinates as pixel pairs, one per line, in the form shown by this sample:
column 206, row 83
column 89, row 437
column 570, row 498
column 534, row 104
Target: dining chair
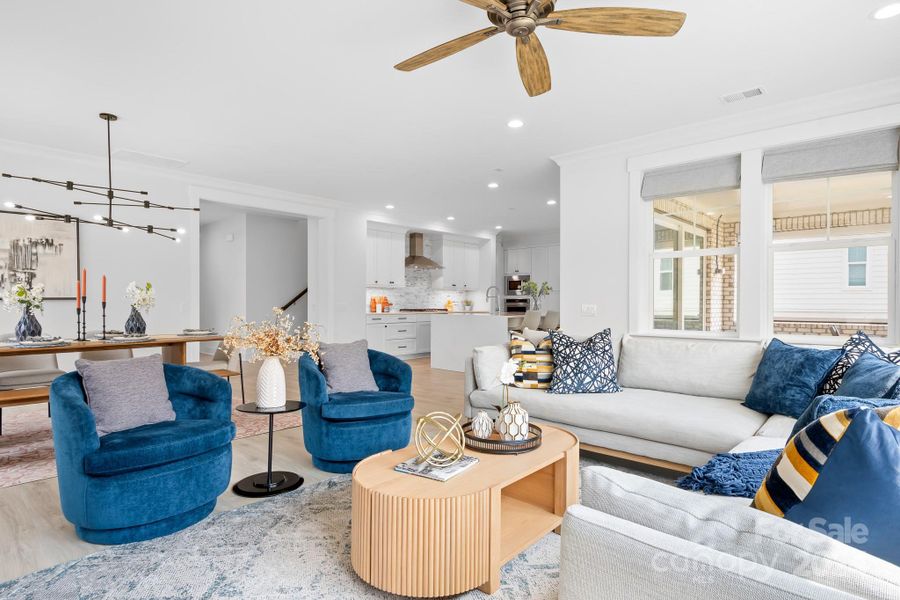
column 29, row 371
column 550, row 321
column 224, row 365
column 532, row 320
column 109, row 354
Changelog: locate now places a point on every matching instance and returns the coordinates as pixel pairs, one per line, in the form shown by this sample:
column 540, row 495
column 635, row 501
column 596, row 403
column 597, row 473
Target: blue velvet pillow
column 869, row 377
column 841, row 477
column 788, row 378
column 826, row 404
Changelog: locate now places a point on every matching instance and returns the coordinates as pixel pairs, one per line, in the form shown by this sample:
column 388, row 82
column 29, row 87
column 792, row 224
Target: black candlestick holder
column 103, row 305
column 84, row 319
column 78, row 324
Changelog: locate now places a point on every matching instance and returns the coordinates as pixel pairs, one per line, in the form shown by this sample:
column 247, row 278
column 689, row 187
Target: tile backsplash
column 418, row 293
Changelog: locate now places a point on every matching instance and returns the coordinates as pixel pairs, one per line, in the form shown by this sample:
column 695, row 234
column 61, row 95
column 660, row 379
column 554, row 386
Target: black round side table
column 271, row 482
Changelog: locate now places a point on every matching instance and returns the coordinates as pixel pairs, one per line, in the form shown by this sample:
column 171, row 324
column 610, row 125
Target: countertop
column 454, row 313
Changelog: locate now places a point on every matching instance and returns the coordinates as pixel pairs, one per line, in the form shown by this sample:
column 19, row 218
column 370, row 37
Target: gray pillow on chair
column 128, row 393
column 347, row 368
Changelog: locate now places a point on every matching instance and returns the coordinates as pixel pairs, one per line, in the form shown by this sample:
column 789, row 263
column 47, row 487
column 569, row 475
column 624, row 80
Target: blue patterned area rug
column 293, row 546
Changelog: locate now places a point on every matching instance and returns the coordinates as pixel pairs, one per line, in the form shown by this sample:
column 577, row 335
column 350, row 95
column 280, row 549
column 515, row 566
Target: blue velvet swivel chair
column 148, row 481
column 341, row 429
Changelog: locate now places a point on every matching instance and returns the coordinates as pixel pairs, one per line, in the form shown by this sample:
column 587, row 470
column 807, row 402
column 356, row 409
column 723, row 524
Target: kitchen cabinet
column 540, row 265
column 385, row 259
column 399, row 334
column 518, row 261
column 461, row 262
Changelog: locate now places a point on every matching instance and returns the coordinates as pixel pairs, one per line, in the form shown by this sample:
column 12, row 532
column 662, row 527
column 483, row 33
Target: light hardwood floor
column 34, row 534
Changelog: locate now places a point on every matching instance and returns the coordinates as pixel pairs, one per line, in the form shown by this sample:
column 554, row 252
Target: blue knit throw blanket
column 731, row 474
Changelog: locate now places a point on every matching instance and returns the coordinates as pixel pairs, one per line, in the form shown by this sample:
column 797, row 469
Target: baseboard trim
column 637, row 458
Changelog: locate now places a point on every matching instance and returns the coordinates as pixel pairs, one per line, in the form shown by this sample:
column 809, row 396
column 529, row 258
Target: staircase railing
column 295, row 299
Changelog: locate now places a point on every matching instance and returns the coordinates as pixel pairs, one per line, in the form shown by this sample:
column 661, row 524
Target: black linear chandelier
column 114, row 197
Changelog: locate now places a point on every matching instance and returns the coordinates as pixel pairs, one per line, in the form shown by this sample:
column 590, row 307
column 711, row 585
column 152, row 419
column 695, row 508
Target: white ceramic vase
column 482, row 425
column 270, row 388
column 512, row 424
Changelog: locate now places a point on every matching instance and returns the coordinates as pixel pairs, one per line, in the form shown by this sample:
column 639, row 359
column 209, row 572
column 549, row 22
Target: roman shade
column 846, row 155
column 695, row 178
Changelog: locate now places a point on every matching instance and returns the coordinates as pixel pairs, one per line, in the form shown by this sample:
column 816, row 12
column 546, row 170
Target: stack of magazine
column 424, row 469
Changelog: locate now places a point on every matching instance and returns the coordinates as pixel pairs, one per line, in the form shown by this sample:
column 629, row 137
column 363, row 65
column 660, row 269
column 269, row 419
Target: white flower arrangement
column 508, row 371
column 20, row 296
column 141, row 298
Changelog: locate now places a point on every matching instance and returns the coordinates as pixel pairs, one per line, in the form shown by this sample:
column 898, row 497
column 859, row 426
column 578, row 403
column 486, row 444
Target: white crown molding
column 883, row 93
column 186, row 177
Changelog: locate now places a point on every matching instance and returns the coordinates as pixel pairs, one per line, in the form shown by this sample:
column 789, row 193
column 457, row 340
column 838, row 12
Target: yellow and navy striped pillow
column 535, row 363
column 797, row 469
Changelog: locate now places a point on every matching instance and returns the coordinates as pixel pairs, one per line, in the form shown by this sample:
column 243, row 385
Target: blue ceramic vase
column 135, row 325
column 28, row 326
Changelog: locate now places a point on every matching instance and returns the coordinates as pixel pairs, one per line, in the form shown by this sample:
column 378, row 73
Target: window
column 831, row 255
column 694, row 266
column 856, row 266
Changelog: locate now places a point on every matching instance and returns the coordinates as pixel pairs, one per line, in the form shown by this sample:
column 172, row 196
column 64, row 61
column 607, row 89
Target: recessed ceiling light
column 125, row 230
column 551, row 202
column 515, row 124
column 493, row 185
column 389, row 206
column 9, row 204
column 451, row 218
column 98, row 217
column 30, row 217
column 499, row 227
column 177, row 240
column 181, row 230
column 887, row 12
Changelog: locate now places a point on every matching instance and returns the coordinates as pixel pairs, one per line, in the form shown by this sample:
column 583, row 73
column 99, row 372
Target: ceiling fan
column 520, row 19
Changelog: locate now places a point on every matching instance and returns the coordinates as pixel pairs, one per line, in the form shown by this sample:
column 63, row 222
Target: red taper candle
column 103, row 289
column 77, row 294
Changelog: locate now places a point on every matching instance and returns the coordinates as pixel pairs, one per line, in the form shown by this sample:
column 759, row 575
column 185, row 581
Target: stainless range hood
column 416, row 258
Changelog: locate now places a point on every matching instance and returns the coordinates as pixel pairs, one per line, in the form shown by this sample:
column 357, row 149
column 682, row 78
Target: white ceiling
column 302, row 96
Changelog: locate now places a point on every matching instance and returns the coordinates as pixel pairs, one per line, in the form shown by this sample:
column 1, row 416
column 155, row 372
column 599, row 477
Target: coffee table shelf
column 521, row 525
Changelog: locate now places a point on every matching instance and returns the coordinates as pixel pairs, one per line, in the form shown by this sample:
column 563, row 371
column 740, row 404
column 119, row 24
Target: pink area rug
column 26, row 446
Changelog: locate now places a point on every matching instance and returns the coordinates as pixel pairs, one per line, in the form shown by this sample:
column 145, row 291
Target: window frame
column 855, row 263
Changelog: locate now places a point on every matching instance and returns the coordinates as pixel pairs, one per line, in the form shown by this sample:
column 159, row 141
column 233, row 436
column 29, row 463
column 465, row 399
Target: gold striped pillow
column 535, row 363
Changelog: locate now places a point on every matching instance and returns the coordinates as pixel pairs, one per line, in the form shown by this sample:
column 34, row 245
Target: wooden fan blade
column 533, row 65
column 445, row 50
column 487, row 4
column 618, row 21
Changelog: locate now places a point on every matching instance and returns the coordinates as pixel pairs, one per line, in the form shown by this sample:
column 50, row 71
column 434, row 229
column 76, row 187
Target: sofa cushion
column 157, row 444
column 857, row 345
column 366, row 405
column 869, row 377
column 789, row 377
column 730, row 526
column 587, row 367
column 709, row 424
column 716, row 368
column 124, row 394
column 779, row 426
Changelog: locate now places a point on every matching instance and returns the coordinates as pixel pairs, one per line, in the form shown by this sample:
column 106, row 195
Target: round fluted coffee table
column 418, row 537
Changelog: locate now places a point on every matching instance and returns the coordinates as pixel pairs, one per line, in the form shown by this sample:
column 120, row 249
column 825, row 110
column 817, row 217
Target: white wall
column 223, row 273
column 276, row 264
column 604, row 221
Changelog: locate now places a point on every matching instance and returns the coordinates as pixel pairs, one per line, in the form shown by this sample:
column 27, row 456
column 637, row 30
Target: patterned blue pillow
column 587, row 367
column 858, row 344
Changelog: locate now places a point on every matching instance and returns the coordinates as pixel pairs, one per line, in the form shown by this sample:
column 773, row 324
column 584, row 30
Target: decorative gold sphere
column 439, row 439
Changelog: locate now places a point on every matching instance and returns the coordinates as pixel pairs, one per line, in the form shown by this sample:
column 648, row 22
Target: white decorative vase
column 482, row 425
column 270, row 390
column 512, row 424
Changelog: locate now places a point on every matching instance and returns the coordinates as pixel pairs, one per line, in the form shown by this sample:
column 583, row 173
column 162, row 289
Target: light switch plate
column 589, row 310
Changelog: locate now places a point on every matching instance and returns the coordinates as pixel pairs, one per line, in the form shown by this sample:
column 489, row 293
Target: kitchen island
column 454, row 335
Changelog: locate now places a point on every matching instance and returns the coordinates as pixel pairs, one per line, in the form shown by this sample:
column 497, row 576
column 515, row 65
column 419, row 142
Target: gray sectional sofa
column 680, row 404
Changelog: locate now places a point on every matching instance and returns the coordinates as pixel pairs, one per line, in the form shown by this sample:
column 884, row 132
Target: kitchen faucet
column 493, row 307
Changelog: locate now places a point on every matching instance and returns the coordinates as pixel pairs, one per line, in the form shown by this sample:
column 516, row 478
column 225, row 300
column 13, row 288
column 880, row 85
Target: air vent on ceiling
column 744, row 95
column 162, row 162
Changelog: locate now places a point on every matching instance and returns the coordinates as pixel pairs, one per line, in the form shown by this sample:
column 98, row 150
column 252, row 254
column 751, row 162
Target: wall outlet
column 589, row 310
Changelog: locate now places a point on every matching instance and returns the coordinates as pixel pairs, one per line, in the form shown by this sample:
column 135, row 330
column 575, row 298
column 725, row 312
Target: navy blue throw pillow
column 869, row 377
column 857, row 345
column 788, row 378
column 826, row 404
